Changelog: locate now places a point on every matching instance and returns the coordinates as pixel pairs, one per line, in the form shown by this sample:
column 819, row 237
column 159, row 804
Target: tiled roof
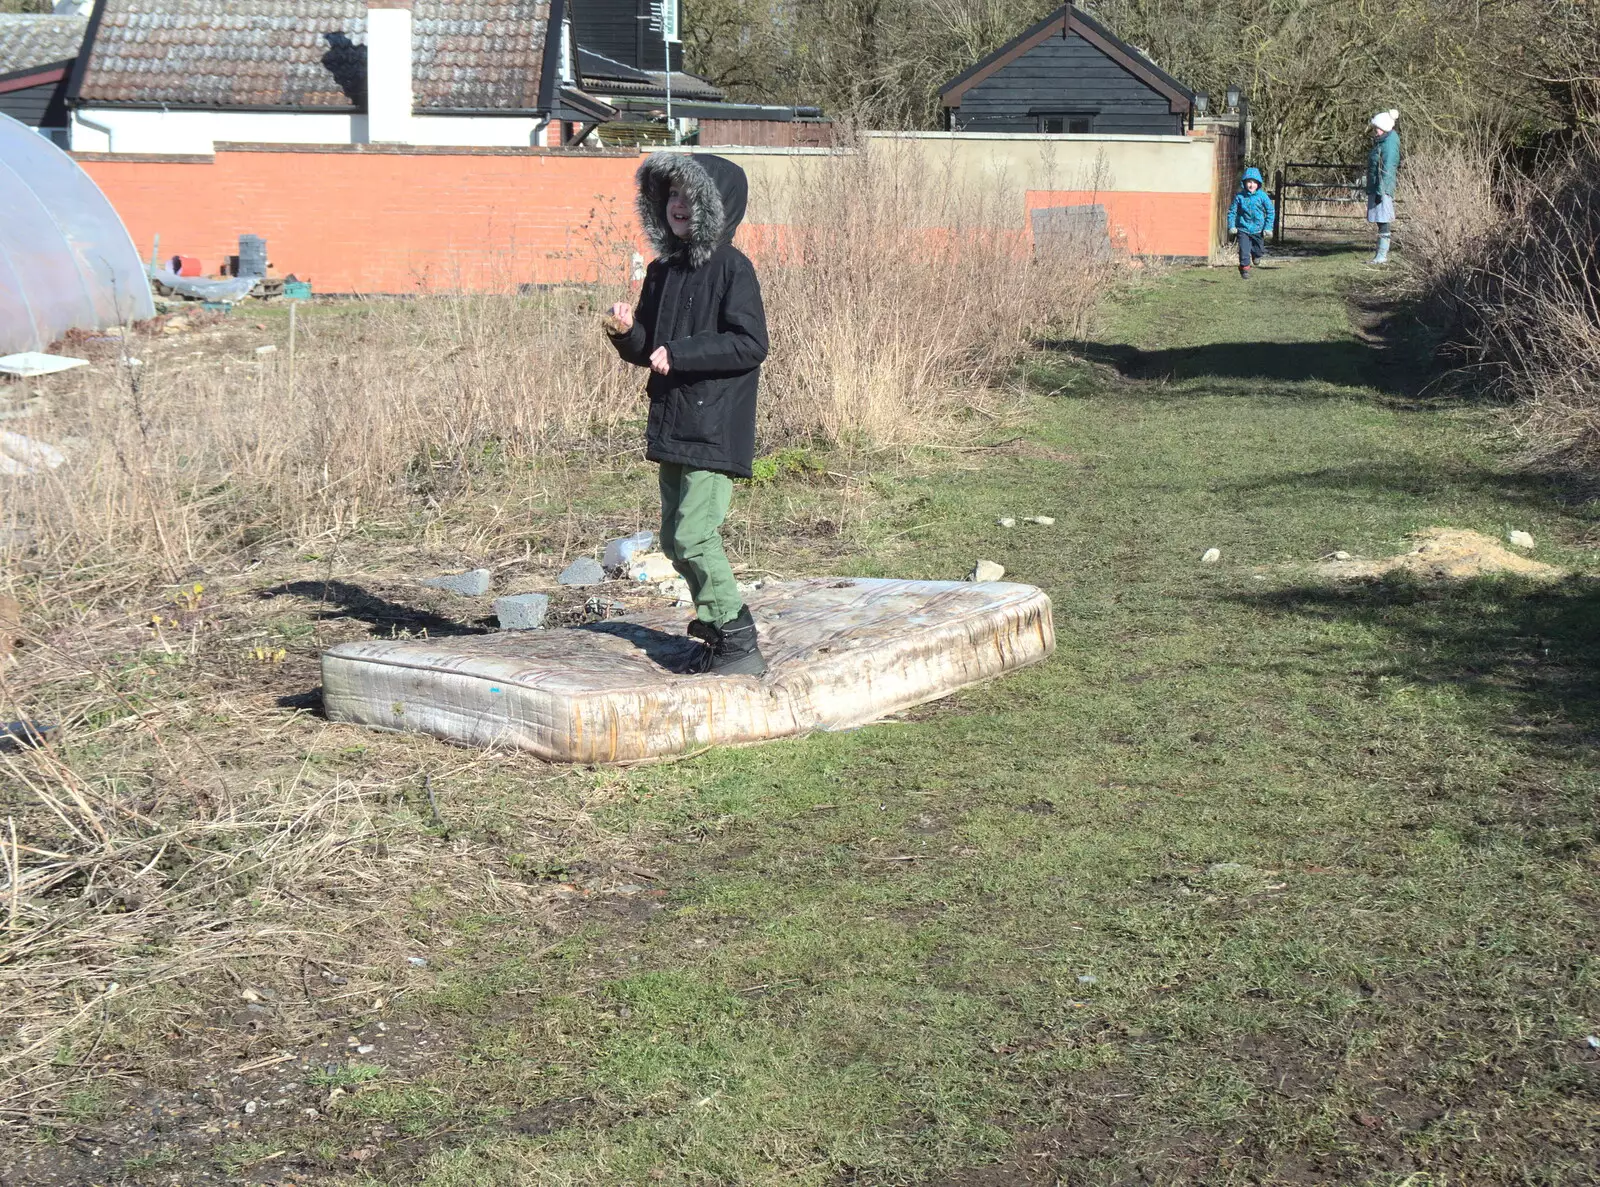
column 30, row 41
column 469, row 55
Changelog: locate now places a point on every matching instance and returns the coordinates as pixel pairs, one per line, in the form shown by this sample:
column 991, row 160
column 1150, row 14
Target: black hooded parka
column 701, row 301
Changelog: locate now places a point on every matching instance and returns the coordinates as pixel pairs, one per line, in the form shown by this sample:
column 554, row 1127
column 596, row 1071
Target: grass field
column 1261, row 879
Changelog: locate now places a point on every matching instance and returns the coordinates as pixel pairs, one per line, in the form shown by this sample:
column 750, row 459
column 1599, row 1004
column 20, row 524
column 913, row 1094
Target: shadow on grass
column 1337, row 367
column 341, row 599
column 1533, row 646
column 1434, row 479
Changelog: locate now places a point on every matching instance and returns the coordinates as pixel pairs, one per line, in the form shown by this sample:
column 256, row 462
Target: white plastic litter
column 21, row 456
column 840, row 653
column 233, row 288
column 619, row 552
column 33, row 362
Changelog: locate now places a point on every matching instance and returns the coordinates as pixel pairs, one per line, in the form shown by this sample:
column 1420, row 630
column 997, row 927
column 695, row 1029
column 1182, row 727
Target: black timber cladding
column 41, row 106
column 1067, row 74
column 620, row 30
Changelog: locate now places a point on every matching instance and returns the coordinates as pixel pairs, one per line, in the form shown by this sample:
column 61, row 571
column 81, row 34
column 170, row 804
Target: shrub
column 1511, row 258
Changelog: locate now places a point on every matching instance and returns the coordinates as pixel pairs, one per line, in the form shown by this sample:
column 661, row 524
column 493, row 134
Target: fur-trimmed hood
column 717, row 192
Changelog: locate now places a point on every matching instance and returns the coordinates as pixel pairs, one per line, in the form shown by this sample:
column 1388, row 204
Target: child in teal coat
column 1383, row 173
column 1250, row 217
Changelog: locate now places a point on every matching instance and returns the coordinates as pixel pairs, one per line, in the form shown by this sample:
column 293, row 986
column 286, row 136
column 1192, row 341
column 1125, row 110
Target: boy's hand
column 620, row 320
column 660, row 361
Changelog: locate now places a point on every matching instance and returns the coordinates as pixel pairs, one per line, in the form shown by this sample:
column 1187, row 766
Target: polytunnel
column 66, row 260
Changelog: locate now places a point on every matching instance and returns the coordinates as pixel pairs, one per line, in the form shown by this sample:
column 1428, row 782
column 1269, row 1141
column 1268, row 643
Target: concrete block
column 474, row 583
column 583, row 571
column 522, row 612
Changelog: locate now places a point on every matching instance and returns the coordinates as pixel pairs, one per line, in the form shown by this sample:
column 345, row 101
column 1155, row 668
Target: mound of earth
column 1443, row 554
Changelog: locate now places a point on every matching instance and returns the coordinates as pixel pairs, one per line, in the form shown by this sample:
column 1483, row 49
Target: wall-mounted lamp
column 1234, row 95
column 1201, row 102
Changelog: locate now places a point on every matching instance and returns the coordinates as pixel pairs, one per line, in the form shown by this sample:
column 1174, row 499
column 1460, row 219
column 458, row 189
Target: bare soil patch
column 1445, row 554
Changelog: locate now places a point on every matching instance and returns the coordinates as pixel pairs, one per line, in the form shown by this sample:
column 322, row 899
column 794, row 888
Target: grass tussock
column 1511, row 259
column 176, row 832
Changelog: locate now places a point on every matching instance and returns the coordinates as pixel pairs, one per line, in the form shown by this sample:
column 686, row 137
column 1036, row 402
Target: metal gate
column 1320, row 201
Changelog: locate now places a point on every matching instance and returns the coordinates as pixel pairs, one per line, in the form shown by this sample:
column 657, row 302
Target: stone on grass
column 583, row 571
column 474, row 583
column 522, row 612
column 1520, row 539
column 1341, row 555
column 986, row 571
column 1006, row 522
column 1211, row 556
column 1043, row 521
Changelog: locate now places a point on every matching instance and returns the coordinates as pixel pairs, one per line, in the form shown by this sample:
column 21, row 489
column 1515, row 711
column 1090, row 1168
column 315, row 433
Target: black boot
column 734, row 651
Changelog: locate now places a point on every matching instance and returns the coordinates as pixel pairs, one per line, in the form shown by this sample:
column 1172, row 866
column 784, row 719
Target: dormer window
column 1066, row 123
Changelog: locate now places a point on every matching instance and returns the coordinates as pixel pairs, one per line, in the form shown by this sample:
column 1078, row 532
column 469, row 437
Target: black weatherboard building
column 1067, row 75
column 36, row 57
column 626, row 31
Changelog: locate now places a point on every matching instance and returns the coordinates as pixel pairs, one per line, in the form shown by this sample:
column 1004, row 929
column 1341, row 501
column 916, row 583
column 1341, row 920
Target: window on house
column 1066, row 123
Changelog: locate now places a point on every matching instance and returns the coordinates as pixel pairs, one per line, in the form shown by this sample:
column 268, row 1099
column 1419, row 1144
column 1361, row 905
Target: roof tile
column 27, row 42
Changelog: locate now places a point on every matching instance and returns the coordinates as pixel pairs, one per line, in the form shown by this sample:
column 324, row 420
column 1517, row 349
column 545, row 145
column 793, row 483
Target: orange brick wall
column 386, row 221
column 1142, row 223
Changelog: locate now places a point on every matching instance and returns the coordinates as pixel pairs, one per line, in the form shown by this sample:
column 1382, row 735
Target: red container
column 184, row 265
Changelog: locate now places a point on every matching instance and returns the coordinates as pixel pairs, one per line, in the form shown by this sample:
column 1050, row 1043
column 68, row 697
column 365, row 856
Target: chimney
column 389, row 71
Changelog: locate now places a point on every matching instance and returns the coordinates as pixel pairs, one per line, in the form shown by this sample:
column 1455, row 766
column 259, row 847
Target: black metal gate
column 1320, row 201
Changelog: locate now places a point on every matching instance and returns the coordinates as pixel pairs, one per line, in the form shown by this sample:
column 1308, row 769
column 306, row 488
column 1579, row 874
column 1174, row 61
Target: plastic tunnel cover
column 66, row 260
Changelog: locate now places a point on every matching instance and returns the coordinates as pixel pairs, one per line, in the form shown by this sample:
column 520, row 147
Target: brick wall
column 369, row 219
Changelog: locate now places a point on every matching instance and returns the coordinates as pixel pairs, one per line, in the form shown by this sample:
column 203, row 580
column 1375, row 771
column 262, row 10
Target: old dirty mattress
column 840, row 652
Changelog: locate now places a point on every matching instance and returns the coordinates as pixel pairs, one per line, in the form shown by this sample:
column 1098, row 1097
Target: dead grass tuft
column 1510, row 256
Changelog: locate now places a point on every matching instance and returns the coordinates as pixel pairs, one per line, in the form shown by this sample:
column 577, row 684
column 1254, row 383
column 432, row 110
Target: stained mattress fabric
column 840, row 653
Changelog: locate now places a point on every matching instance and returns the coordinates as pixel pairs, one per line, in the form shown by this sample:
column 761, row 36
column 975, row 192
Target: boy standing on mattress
column 702, row 331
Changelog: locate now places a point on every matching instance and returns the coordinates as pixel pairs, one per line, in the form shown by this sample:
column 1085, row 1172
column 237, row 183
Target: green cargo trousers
column 693, row 505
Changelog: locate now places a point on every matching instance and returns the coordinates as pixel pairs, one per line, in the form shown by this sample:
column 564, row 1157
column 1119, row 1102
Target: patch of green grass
column 242, row 1155
column 345, row 1076
column 411, row 1108
column 86, row 1106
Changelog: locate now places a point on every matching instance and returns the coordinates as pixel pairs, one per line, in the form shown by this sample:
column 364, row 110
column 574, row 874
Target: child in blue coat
column 1250, row 217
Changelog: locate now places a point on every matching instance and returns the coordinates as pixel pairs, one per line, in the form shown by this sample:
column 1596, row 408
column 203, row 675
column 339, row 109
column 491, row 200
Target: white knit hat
column 1384, row 121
